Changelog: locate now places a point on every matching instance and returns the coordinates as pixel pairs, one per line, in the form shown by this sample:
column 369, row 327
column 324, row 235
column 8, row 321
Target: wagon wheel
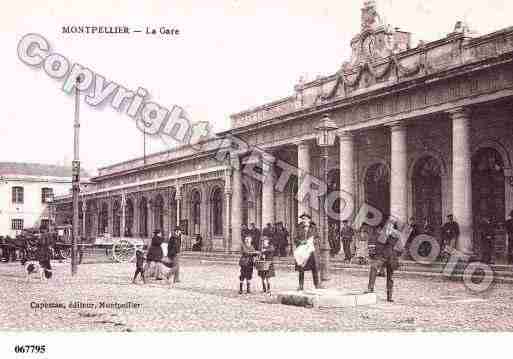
column 65, row 252
column 123, row 251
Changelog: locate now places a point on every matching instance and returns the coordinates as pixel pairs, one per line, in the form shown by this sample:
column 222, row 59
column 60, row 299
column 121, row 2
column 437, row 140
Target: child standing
column 246, row 264
column 139, row 265
column 267, row 255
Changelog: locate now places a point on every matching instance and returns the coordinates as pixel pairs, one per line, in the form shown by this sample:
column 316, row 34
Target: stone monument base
column 326, row 298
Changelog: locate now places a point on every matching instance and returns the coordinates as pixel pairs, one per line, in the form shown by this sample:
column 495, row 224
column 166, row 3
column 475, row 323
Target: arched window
column 217, row 212
column 196, row 212
column 104, row 219
column 129, row 217
column 116, row 219
column 143, row 218
column 488, row 186
column 427, row 193
column 158, row 213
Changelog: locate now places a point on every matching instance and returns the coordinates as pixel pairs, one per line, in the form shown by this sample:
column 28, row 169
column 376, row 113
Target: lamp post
column 75, row 178
column 325, row 139
column 50, row 203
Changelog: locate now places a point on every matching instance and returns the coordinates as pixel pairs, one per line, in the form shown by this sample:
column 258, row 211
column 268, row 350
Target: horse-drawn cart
column 119, row 250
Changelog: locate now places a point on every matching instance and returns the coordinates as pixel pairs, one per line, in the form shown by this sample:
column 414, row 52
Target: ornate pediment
column 376, row 39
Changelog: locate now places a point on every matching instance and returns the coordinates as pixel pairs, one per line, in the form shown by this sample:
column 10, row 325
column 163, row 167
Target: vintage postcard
column 254, row 167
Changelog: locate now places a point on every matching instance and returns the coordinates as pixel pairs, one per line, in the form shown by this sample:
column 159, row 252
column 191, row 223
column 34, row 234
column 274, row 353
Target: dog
column 33, row 268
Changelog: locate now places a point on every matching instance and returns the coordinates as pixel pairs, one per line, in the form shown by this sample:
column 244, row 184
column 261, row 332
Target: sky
column 229, row 56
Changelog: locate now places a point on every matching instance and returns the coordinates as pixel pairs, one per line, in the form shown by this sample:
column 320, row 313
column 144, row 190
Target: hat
column 305, row 215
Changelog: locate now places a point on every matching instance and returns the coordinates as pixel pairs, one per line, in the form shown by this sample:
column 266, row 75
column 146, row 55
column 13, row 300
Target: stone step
column 504, row 274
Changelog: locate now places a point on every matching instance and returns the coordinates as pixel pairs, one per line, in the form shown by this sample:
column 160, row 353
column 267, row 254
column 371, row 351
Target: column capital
column 299, row 143
column 460, row 113
column 397, row 126
column 345, row 135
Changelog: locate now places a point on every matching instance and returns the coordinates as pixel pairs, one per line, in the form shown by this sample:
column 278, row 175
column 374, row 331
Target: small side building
column 26, row 189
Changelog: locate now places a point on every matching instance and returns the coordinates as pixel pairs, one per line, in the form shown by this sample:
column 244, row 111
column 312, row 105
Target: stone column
column 236, row 213
column 462, row 178
column 123, row 216
column 227, row 240
column 304, row 166
column 399, row 173
column 347, row 183
column 149, row 218
column 178, row 198
column 268, row 211
column 110, row 216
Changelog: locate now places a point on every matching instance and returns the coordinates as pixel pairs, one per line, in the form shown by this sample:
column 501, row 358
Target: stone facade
column 422, row 131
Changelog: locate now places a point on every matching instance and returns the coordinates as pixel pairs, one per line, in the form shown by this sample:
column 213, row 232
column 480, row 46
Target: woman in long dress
column 155, row 255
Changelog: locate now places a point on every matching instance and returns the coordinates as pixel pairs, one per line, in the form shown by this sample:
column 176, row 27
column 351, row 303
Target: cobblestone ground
column 207, row 300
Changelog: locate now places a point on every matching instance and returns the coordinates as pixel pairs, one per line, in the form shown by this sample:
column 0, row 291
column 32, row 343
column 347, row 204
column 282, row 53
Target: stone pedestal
column 326, row 298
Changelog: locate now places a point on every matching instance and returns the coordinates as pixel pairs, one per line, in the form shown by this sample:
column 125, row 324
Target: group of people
column 161, row 259
column 277, row 234
column 355, row 243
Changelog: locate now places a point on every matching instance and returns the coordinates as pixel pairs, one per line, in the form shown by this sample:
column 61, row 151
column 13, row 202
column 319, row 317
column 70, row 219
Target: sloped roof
column 37, row 169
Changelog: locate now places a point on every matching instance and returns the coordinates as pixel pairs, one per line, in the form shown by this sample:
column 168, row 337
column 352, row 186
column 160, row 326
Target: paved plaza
column 207, row 300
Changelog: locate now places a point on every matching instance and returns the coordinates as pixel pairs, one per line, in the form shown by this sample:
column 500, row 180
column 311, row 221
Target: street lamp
column 325, row 139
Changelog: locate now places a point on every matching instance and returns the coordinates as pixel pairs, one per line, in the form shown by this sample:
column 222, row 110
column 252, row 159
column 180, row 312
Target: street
column 207, row 299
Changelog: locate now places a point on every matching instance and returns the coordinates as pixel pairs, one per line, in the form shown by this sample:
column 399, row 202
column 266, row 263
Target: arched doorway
column 216, row 205
column 90, row 211
column 143, row 218
column 377, row 188
column 116, row 219
column 129, row 218
column 158, row 213
column 427, row 193
column 488, row 193
column 103, row 221
column 292, row 207
column 196, row 212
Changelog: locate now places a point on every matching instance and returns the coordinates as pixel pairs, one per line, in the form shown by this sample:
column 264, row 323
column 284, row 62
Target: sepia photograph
column 253, row 168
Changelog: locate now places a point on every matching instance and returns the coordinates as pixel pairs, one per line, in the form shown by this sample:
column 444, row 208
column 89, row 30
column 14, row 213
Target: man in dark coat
column 268, row 232
column 386, row 256
column 414, row 232
column 346, row 237
column 282, row 238
column 450, row 232
column 487, row 240
column 173, row 251
column 334, row 240
column 244, row 232
column 305, row 231
column 254, row 232
column 509, row 232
